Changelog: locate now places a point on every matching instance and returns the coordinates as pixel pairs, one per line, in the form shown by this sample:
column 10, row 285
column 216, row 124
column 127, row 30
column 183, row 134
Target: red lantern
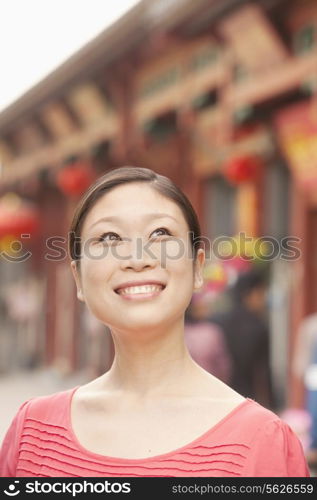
column 17, row 216
column 74, row 179
column 241, row 169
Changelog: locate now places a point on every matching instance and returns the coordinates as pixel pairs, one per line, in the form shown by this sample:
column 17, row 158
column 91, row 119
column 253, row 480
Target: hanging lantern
column 74, row 179
column 17, row 216
column 241, row 169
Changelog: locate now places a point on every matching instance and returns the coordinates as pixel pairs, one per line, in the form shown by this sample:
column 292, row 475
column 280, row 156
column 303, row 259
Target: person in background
column 305, row 368
column 247, row 337
column 205, row 340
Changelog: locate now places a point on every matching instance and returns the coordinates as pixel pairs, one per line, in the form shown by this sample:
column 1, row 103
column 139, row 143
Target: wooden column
column 298, row 309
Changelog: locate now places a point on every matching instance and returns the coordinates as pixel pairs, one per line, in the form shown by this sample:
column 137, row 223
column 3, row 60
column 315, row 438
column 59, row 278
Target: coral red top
column 249, row 441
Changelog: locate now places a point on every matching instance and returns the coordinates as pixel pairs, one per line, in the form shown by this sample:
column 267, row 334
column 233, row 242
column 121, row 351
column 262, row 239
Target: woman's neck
column 151, row 368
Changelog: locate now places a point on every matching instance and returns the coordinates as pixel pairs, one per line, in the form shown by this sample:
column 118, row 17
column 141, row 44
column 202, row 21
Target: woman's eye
column 104, row 237
column 110, row 236
column 162, row 229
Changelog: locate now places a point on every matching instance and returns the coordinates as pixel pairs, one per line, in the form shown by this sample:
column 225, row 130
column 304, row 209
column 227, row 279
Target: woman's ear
column 76, row 275
column 198, row 270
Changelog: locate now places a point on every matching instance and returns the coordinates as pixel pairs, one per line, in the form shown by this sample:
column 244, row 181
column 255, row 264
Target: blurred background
column 220, row 96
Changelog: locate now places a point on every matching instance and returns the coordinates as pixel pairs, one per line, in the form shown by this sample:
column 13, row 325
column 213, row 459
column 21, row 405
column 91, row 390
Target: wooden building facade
column 187, row 89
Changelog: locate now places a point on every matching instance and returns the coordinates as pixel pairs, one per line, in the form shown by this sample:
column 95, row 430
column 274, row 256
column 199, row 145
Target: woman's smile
column 141, row 292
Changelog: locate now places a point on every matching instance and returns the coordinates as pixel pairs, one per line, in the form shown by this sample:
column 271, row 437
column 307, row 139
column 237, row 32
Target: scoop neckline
column 154, row 457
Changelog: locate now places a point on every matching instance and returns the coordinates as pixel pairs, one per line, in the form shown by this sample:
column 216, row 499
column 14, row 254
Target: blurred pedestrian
column 247, row 336
column 305, row 367
column 205, row 340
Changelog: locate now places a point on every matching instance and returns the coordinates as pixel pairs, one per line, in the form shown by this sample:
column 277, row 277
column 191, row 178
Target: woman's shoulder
column 36, row 422
column 51, row 407
column 259, row 421
column 273, row 447
column 256, row 427
column 258, row 414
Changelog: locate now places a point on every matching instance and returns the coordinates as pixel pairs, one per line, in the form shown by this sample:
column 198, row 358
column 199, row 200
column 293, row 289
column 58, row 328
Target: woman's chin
column 133, row 325
column 138, row 325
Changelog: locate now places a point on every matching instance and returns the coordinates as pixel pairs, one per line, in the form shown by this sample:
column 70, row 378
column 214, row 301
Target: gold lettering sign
column 209, row 143
column 247, row 209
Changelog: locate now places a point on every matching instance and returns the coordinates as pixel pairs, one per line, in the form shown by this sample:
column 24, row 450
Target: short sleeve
column 277, row 452
column 10, row 446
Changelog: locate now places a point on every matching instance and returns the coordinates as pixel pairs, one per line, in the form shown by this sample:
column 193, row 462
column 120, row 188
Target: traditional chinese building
column 220, row 95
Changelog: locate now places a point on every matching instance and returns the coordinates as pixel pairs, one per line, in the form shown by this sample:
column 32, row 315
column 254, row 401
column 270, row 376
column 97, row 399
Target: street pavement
column 16, row 388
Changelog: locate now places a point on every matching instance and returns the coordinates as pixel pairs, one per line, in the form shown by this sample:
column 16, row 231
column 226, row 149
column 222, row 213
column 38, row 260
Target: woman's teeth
column 140, row 289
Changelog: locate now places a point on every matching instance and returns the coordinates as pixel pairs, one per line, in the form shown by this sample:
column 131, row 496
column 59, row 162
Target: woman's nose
column 138, row 256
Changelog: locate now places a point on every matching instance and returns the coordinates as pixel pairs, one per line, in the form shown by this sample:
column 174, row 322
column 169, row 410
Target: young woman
column 136, row 260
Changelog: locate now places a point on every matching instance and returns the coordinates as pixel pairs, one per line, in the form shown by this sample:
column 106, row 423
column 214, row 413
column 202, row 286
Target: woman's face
column 146, row 240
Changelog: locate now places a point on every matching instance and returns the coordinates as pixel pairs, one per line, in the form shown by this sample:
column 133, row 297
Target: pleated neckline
column 161, row 456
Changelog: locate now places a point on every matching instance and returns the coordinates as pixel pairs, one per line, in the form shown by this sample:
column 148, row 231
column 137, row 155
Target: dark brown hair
column 124, row 175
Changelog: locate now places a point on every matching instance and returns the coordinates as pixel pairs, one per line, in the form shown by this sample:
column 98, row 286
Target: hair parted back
column 124, row 175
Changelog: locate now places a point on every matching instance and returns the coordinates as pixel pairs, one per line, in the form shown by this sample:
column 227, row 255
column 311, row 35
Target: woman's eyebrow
column 114, row 218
